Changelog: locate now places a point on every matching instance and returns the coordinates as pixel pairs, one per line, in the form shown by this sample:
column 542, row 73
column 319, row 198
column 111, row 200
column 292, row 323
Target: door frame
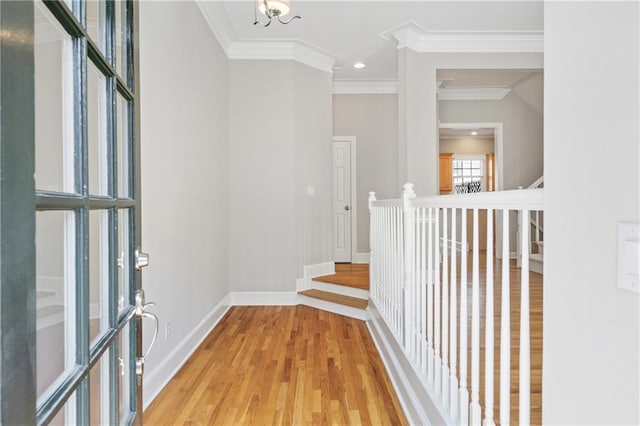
column 19, row 201
column 498, row 143
column 352, row 140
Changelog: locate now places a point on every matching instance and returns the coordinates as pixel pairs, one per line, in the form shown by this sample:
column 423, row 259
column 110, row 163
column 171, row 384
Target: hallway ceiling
column 350, row 31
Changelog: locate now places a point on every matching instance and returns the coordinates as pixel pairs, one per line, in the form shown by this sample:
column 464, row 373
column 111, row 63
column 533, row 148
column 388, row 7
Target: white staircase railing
column 419, row 272
column 536, row 220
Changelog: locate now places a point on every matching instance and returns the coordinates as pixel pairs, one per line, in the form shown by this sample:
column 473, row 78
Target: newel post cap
column 372, row 198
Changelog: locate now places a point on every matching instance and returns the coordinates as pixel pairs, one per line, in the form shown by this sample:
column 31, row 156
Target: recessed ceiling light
column 474, row 133
column 359, row 65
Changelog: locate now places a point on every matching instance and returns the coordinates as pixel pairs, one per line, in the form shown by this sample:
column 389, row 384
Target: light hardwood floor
column 290, row 365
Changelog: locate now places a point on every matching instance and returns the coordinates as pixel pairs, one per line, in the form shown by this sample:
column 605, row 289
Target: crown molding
column 416, row 38
column 473, row 93
column 216, row 17
column 282, row 50
column 365, row 87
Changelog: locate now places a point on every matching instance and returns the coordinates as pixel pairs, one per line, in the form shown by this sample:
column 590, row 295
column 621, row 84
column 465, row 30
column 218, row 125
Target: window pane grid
column 110, row 54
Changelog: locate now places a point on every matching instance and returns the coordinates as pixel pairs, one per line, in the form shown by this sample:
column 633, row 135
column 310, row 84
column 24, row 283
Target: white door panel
column 342, row 201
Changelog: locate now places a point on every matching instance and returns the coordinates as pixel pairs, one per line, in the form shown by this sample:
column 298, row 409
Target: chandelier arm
column 289, row 20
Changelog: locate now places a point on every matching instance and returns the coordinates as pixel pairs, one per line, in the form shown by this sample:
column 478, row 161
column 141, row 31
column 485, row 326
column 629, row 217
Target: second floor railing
column 443, row 278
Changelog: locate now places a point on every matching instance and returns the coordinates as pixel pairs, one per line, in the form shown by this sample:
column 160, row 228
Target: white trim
column 335, row 308
column 218, row 20
column 498, row 141
column 365, row 87
column 282, row 50
column 414, row 37
column 338, row 289
column 264, row 298
column 156, row 380
column 216, row 16
column 473, row 93
column 361, row 258
column 418, row 403
column 354, row 193
column 312, row 271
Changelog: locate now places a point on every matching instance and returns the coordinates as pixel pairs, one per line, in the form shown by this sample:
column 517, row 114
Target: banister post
column 409, row 271
column 373, row 241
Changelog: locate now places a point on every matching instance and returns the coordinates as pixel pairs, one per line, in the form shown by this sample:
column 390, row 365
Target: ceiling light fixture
column 359, row 65
column 272, row 9
column 474, row 133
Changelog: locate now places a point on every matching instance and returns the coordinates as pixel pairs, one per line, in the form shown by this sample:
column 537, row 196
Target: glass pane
column 466, row 172
column 99, row 391
column 53, row 56
column 124, row 373
column 476, row 164
column 466, row 164
column 98, row 273
column 122, row 109
column 124, row 259
column 96, row 14
column 476, row 172
column 121, row 39
column 55, row 298
column 97, row 132
column 67, row 414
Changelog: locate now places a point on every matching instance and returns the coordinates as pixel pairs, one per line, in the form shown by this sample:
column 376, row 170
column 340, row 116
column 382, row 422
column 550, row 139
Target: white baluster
column 505, row 327
column 463, row 415
column 453, row 327
column 423, row 286
column 537, row 226
column 525, row 355
column 436, row 302
column 445, row 309
column 430, row 317
column 488, row 331
column 475, row 411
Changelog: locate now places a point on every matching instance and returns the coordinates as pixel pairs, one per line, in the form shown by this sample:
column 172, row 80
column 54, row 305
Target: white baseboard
column 339, row 289
column 360, row 258
column 417, row 401
column 264, row 298
column 312, row 271
column 157, row 379
column 336, row 308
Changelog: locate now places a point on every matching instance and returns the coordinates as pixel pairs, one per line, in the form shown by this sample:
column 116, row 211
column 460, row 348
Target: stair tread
column 353, row 302
column 341, row 279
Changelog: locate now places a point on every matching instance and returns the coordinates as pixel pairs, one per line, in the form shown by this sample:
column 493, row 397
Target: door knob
column 346, row 208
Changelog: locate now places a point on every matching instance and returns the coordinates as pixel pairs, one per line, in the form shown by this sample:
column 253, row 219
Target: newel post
column 374, row 230
column 409, row 258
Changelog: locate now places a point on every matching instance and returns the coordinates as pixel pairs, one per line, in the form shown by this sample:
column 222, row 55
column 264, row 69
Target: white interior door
column 342, row 201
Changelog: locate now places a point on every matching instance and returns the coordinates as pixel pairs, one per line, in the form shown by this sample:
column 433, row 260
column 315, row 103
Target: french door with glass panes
column 71, row 301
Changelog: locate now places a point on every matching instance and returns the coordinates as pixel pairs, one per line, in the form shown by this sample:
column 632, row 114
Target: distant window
column 468, row 175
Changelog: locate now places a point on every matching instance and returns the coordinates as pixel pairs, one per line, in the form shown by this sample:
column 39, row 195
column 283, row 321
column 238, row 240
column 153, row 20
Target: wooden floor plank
column 281, row 365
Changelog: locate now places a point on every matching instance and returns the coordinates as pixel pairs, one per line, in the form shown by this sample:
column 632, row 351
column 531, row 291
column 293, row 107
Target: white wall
column 312, row 165
column 591, row 329
column 522, row 133
column 280, row 138
column 185, row 176
column 373, row 120
column 467, row 146
column 418, row 106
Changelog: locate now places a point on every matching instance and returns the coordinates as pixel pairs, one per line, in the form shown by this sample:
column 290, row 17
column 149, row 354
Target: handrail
column 528, row 199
